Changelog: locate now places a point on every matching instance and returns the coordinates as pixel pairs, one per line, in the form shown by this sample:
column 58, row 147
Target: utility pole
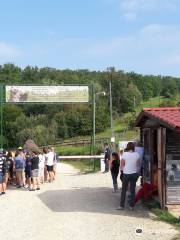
column 134, row 102
column 111, row 114
column 94, row 123
column 94, row 94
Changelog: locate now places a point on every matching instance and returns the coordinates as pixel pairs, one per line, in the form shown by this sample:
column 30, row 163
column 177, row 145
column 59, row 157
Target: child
column 114, row 167
column 35, row 171
column 28, row 173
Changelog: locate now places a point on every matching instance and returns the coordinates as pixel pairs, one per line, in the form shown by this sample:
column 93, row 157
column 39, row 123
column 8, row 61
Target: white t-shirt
column 41, row 160
column 50, row 159
column 131, row 160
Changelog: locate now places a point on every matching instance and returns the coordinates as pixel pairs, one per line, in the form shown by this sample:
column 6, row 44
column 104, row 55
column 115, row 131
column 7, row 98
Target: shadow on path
column 93, row 200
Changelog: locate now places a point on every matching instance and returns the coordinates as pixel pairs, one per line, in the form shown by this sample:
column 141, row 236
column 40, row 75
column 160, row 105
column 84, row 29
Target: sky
column 132, row 35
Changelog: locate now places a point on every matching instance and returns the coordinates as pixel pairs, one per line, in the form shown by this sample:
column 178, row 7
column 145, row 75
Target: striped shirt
column 1, row 164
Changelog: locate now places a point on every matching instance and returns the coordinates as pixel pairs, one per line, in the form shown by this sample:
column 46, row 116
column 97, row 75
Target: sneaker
column 38, row 188
column 18, row 186
column 31, row 189
column 3, row 193
column 120, row 208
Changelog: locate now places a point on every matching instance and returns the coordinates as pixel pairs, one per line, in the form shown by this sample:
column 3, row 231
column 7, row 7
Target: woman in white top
column 49, row 164
column 130, row 164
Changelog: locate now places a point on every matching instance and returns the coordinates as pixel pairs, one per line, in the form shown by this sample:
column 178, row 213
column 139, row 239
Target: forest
column 48, row 123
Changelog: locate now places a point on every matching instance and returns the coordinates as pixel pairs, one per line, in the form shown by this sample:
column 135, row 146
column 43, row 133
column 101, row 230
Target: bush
column 168, row 103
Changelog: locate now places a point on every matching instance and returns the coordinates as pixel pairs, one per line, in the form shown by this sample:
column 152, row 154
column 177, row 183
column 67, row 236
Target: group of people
column 128, row 164
column 27, row 169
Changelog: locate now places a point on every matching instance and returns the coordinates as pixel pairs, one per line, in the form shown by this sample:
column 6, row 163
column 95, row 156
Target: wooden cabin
column 160, row 136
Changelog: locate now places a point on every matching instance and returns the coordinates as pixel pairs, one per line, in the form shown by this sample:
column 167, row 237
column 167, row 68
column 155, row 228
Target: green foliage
column 77, row 150
column 169, row 103
column 167, row 217
column 169, row 87
column 47, row 123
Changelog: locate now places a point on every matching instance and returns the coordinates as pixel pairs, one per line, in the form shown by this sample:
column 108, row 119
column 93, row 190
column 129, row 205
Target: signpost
column 47, row 94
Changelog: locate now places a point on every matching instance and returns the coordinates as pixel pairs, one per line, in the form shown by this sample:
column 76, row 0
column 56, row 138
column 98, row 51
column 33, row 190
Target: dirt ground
column 75, row 207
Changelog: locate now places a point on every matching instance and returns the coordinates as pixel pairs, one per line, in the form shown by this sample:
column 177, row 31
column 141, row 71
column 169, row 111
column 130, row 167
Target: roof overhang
column 145, row 115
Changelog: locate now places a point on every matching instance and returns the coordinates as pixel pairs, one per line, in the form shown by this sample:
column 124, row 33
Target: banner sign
column 173, row 167
column 47, row 94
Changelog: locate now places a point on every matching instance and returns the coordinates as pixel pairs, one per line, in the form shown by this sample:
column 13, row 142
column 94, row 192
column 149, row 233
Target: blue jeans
column 132, row 179
column 1, row 178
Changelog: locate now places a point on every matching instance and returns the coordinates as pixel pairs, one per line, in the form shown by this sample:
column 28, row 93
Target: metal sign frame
column 54, row 85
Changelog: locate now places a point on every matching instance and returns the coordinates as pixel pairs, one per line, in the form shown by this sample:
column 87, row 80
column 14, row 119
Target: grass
column 84, row 165
column 164, row 216
column 120, row 128
column 77, row 150
column 167, row 217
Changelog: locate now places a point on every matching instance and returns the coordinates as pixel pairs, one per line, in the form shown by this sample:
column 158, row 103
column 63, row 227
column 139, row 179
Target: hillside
column 49, row 123
column 123, row 129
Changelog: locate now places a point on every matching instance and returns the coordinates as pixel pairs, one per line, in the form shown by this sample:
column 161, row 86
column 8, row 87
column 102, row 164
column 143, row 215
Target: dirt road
column 75, row 207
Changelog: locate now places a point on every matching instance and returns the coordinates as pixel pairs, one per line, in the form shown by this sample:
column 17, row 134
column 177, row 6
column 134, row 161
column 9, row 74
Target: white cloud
column 134, row 8
column 148, row 5
column 8, row 51
column 152, row 49
column 150, row 39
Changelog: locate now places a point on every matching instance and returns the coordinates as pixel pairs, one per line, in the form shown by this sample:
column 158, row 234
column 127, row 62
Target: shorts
column 41, row 172
column 2, row 178
column 20, row 173
column 35, row 173
column 54, row 167
column 6, row 177
column 49, row 168
column 28, row 173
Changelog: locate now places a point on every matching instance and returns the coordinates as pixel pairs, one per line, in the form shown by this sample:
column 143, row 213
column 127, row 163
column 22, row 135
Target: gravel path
column 75, row 207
